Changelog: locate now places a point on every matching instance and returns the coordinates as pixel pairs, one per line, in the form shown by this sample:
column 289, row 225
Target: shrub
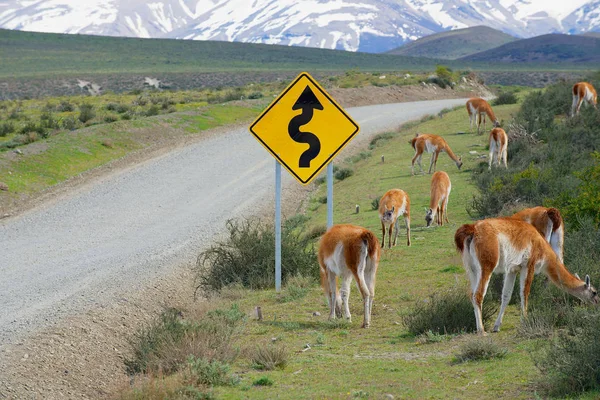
column 571, row 363
column 380, row 138
column 263, row 381
column 110, row 118
column 375, row 203
column 153, row 110
column 247, row 256
column 69, row 123
column 322, row 200
column 343, row 173
column 315, row 232
column 6, row 128
column 86, row 112
column 167, row 342
column 505, row 98
column 269, row 357
column 122, row 108
column 211, row 373
column 479, row 349
column 111, row 106
column 15, row 114
column 65, row 106
column 446, row 312
column 255, row 95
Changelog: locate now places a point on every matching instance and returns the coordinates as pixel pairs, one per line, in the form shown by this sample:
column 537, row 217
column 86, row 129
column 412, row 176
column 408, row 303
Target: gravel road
column 104, row 241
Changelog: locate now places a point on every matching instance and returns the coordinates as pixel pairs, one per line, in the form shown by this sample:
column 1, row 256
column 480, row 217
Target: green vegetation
column 446, row 312
column 35, row 54
column 385, row 358
column 247, row 255
column 479, row 349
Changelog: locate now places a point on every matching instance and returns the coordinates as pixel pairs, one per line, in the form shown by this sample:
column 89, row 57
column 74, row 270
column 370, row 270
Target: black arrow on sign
column 307, row 102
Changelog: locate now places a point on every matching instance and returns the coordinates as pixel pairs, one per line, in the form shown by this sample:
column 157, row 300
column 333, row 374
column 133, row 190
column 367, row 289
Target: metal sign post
column 277, row 226
column 330, row 195
column 304, row 129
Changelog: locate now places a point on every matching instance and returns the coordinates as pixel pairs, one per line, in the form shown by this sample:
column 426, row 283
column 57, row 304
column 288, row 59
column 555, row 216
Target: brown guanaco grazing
column 394, row 203
column 583, row 91
column 498, row 147
column 478, row 108
column 438, row 201
column 348, row 251
column 549, row 223
column 508, row 245
column 431, row 144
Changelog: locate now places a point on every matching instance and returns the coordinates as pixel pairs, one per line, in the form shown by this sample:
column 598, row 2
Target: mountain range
column 353, row 25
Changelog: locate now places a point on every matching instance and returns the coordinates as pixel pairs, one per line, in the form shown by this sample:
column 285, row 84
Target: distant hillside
column 31, row 54
column 592, row 34
column 545, row 49
column 455, row 44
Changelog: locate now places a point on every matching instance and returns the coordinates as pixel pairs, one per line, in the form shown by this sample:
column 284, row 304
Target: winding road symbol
column 308, row 102
column 304, row 128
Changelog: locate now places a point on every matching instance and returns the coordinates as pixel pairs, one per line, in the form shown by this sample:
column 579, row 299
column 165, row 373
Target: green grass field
column 345, row 361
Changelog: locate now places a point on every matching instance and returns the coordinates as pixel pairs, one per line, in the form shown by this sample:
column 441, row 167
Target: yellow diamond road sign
column 304, row 128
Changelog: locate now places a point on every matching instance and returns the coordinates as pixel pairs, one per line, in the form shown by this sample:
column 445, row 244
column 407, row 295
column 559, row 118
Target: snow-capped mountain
column 363, row 25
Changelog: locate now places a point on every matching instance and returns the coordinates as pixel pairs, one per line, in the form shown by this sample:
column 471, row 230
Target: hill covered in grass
column 35, row 54
column 455, row 44
column 545, row 49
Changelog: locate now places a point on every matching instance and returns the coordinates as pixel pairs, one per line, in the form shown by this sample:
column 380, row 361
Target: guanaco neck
column 491, row 114
column 451, row 154
column 561, row 277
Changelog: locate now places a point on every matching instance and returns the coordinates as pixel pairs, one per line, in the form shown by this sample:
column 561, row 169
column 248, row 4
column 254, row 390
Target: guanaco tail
column 498, row 147
column 583, row 91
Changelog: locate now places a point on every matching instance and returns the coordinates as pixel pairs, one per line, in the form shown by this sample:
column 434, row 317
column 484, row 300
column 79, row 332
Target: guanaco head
column 496, row 124
column 429, row 217
column 589, row 293
column 388, row 215
column 459, row 163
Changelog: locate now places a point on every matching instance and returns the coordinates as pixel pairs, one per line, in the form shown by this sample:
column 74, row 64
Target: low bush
column 571, row 362
column 269, row 357
column 446, row 312
column 375, row 203
column 210, row 373
column 479, row 349
column 65, row 106
column 247, row 256
column 6, row 128
column 343, row 173
column 380, row 139
column 505, row 98
column 166, row 344
column 263, row 381
column 86, row 112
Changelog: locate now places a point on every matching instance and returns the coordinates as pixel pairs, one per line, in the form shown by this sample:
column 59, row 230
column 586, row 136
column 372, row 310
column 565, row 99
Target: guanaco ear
column 393, row 208
column 577, row 275
column 587, row 282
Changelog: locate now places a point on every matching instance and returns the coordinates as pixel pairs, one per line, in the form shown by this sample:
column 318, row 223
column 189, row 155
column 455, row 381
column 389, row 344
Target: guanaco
column 477, row 109
column 583, row 91
column 549, row 223
column 393, row 203
column 498, row 147
column 508, row 245
column 438, row 201
column 431, row 144
column 348, row 251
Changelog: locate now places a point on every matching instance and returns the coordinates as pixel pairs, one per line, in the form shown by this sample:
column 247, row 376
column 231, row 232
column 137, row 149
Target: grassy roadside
column 60, row 157
column 344, row 361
